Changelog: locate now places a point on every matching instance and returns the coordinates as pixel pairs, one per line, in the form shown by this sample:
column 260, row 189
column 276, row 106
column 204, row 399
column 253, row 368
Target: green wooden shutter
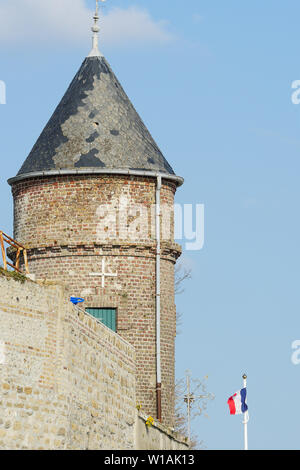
column 108, row 316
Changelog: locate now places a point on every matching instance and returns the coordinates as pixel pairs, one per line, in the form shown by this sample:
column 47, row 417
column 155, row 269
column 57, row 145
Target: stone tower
column 92, row 204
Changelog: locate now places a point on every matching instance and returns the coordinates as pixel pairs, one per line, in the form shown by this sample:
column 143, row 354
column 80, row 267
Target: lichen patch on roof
column 95, row 126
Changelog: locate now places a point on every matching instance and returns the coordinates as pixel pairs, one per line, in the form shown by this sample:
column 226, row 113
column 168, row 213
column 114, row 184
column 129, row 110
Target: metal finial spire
column 95, row 29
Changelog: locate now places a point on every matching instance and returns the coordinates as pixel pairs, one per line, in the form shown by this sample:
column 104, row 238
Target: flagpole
column 246, row 419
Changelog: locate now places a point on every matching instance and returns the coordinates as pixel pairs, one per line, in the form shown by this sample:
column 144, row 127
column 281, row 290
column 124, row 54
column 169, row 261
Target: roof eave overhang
column 96, row 171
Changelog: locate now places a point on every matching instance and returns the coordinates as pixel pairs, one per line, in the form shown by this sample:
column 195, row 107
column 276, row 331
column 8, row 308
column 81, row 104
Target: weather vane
column 95, row 29
column 97, row 5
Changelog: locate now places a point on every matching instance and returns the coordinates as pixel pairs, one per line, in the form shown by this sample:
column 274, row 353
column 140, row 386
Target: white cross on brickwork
column 104, row 274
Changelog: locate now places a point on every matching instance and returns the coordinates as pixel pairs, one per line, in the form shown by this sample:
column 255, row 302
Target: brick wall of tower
column 69, row 223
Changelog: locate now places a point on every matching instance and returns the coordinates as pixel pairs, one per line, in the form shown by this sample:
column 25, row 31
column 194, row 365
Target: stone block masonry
column 66, row 381
column 157, row 436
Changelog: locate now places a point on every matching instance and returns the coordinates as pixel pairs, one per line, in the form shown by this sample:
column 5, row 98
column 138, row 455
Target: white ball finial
column 95, row 29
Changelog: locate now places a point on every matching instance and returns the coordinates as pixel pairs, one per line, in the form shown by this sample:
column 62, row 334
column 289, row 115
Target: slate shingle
column 95, row 126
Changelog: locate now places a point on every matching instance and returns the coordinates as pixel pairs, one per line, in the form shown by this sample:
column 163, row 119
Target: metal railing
column 20, row 250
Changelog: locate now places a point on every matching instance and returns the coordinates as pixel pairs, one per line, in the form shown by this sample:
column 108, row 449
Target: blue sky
column 212, row 81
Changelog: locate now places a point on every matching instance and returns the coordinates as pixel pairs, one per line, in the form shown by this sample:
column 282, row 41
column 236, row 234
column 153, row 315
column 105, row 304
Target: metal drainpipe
column 158, row 252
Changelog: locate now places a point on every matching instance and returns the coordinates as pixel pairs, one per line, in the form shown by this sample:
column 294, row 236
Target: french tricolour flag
column 237, row 403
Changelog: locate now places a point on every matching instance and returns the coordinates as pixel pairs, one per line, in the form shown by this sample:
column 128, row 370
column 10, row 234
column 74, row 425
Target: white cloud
column 134, row 25
column 69, row 21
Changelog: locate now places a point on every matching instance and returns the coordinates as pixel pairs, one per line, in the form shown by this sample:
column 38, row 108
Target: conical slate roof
column 95, row 126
